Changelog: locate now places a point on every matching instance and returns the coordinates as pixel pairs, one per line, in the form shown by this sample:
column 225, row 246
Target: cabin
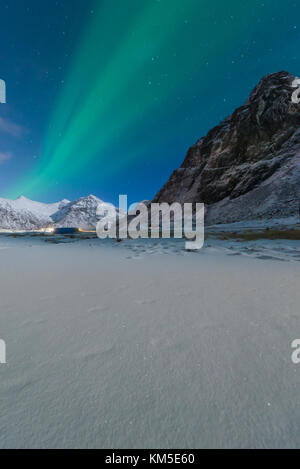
column 66, row 231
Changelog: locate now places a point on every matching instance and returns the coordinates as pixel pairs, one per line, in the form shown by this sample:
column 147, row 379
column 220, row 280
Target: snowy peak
column 80, row 213
column 26, row 214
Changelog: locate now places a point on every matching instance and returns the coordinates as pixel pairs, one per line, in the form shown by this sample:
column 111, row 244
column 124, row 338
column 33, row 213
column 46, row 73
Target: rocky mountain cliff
column 247, row 167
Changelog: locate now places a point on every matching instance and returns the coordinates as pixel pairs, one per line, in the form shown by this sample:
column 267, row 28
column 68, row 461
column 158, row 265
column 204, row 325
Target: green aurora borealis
column 134, row 60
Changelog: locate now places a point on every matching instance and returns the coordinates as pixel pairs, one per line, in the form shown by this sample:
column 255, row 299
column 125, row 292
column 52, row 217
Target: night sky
column 105, row 97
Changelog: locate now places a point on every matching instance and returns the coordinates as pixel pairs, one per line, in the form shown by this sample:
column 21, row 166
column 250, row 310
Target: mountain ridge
column 26, row 214
column 248, row 166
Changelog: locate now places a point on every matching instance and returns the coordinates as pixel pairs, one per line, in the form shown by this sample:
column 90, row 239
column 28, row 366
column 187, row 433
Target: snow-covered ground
column 259, row 224
column 142, row 344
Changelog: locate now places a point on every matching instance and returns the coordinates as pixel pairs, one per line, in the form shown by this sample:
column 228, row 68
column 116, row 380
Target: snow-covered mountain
column 81, row 213
column 248, row 166
column 26, row 214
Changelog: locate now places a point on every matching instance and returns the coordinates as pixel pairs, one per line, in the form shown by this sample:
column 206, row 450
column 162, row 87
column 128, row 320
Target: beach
column 145, row 345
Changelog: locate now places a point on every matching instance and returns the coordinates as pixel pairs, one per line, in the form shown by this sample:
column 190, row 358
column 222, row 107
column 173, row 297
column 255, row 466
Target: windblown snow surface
column 144, row 345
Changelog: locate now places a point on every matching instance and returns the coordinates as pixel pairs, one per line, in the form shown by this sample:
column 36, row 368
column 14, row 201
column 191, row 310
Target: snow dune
column 122, row 347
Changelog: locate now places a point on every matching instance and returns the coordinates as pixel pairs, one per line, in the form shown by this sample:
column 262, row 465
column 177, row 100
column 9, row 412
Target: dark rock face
column 247, row 167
